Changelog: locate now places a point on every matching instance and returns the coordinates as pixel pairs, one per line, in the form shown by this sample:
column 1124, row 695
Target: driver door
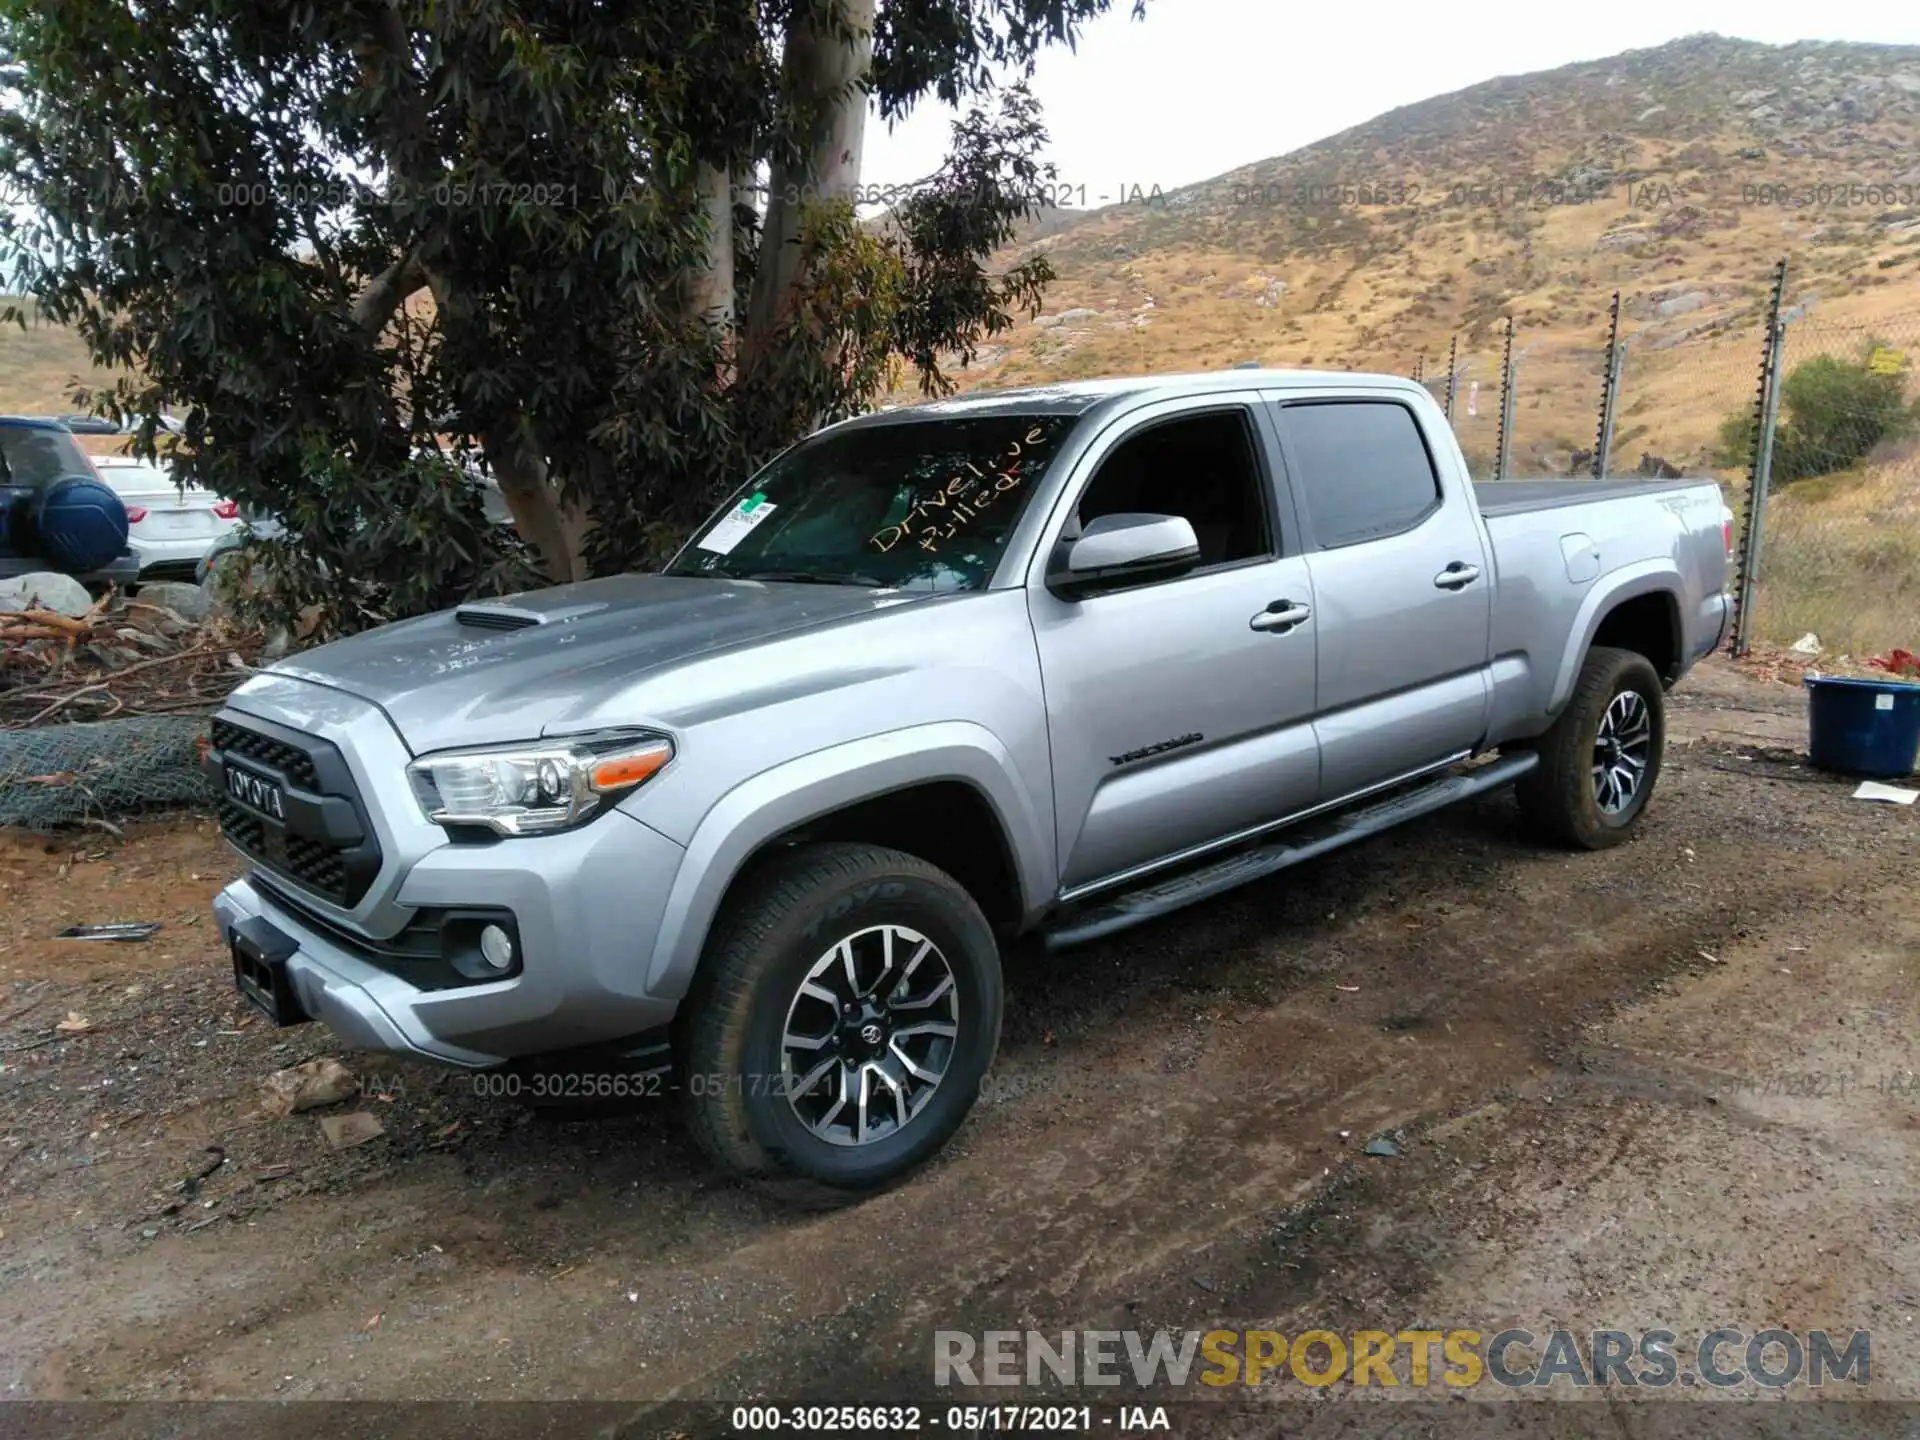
column 1180, row 711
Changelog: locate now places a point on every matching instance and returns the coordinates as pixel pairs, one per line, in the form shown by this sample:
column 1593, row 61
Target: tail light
column 227, row 509
column 136, row 513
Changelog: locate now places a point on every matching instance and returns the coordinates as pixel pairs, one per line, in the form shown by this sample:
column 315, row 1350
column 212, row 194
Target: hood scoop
column 546, row 608
column 497, row 617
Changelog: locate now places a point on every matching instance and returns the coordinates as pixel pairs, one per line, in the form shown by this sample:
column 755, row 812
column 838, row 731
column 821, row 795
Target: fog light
column 496, row 947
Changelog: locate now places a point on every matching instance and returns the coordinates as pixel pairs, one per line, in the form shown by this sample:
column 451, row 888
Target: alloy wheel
column 1622, row 750
column 869, row 1035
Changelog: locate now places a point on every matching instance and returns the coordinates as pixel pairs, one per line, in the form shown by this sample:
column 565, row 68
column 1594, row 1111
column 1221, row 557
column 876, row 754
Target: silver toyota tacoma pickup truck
column 1038, row 664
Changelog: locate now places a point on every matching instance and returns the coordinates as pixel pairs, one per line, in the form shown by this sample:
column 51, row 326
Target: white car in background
column 169, row 529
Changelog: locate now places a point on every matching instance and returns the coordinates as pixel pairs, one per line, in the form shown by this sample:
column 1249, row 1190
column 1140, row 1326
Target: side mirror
column 1121, row 549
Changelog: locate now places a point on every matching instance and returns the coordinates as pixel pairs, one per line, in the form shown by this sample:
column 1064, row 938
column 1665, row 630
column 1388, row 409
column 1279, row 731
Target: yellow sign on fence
column 1884, row 361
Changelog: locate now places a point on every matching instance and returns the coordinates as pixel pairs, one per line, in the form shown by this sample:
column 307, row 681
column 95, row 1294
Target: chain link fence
column 1557, row 384
column 1839, row 556
column 1836, row 553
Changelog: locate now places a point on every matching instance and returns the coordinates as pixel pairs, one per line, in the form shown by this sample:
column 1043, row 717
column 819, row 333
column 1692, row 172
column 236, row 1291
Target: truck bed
column 1517, row 497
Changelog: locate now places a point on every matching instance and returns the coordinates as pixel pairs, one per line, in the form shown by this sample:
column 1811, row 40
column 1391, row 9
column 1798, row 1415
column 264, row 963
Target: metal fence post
column 1453, row 373
column 1609, row 394
column 1504, row 444
column 1766, row 421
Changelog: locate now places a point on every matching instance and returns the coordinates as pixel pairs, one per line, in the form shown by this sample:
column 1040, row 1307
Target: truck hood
column 513, row 668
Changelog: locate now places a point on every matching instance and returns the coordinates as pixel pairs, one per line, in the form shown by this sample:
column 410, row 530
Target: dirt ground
column 1668, row 1085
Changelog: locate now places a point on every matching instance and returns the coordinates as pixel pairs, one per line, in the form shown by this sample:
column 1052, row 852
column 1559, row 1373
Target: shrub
column 1734, row 447
column 1833, row 412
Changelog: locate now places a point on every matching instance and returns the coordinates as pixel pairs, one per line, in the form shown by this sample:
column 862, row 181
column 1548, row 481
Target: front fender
column 779, row 799
column 1629, row 582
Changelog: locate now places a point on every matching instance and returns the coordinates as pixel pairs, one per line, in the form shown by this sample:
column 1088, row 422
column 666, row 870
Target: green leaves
column 356, row 245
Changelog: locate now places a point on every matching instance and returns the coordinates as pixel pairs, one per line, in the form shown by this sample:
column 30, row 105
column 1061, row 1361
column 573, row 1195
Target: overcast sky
column 1203, row 86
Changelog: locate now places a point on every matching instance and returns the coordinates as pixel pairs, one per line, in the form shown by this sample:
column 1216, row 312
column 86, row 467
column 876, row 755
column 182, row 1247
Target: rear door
column 1401, row 585
column 1179, row 711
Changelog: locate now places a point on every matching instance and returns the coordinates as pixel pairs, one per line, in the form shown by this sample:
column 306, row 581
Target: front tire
column 1600, row 760
column 846, row 1011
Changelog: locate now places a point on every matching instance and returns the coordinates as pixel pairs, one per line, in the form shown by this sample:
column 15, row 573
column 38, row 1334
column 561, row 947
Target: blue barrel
column 1863, row 727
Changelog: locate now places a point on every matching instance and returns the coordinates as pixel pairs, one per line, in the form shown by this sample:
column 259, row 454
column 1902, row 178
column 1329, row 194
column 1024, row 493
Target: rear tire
column 844, row 973
column 1601, row 759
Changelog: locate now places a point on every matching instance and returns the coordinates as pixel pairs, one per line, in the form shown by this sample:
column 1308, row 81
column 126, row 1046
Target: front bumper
column 365, row 1007
column 585, row 937
column 587, row 905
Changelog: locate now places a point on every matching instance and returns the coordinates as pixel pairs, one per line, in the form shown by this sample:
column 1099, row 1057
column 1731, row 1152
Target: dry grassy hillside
column 1676, row 176
column 40, row 365
column 1534, row 197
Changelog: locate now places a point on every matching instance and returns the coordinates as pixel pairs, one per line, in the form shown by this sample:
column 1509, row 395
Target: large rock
column 311, row 1086
column 1681, row 304
column 45, row 590
column 189, row 602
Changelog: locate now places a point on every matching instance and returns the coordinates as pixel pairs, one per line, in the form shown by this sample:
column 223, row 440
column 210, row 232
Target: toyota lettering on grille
column 256, row 792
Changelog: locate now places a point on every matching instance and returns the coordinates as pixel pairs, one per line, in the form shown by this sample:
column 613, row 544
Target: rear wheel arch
column 1649, row 625
column 1637, row 610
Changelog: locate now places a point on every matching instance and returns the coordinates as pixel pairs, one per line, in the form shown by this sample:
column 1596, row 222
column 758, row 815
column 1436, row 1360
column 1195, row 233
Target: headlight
column 538, row 788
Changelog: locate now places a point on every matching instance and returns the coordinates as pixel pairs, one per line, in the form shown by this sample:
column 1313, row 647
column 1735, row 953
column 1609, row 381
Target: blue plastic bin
column 1863, row 727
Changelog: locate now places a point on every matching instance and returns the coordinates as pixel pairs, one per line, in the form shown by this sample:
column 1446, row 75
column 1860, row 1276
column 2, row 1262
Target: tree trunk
column 822, row 74
column 710, row 294
column 373, row 307
column 555, row 529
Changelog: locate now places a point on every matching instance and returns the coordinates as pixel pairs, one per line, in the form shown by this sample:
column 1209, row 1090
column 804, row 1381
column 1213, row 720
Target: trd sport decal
column 1178, row 743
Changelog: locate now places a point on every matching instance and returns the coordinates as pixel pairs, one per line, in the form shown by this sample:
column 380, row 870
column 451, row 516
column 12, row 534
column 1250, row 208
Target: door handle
column 1281, row 616
column 1457, row 576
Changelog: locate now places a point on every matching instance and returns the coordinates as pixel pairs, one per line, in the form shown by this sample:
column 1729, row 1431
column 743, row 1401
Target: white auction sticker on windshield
column 737, row 524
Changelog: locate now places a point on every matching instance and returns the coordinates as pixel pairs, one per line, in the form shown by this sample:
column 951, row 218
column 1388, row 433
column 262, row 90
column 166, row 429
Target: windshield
column 925, row 504
column 132, row 477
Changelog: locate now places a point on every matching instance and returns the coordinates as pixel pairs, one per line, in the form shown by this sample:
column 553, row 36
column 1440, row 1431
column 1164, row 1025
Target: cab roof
column 1077, row 397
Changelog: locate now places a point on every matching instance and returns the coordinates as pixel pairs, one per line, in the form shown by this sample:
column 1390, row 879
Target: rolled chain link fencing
column 59, row 775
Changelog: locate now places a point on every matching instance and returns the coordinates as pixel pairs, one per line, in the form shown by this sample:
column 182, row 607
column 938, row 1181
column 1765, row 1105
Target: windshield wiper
column 816, row 577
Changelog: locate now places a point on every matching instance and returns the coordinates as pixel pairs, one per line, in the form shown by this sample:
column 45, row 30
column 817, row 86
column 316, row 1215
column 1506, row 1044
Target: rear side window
column 1359, row 467
column 38, row 454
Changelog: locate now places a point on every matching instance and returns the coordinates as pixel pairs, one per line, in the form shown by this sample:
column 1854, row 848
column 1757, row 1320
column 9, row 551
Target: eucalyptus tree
column 612, row 250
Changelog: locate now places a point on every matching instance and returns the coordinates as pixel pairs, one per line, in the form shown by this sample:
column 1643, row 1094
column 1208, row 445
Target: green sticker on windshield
column 752, row 502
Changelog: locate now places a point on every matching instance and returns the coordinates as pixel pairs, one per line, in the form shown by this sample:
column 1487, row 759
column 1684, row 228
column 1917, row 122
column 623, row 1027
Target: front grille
column 322, row 842
column 242, row 827
column 318, row 866
column 289, row 760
